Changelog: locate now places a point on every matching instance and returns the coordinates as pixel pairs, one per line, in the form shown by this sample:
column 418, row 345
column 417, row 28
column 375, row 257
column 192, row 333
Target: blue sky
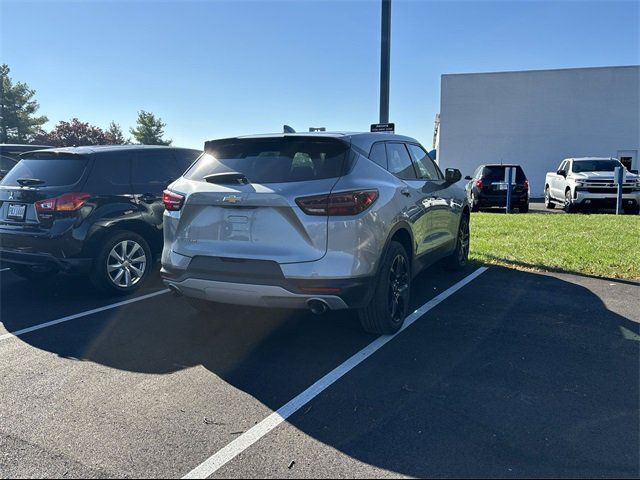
column 212, row 69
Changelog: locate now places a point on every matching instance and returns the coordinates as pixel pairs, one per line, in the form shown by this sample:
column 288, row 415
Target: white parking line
column 251, row 436
column 4, row 269
column 17, row 333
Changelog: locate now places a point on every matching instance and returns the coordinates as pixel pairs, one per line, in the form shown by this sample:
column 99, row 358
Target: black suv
column 488, row 188
column 92, row 210
column 10, row 154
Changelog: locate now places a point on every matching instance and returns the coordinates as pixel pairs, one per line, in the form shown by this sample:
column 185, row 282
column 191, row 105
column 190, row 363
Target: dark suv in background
column 10, row 154
column 488, row 188
column 91, row 210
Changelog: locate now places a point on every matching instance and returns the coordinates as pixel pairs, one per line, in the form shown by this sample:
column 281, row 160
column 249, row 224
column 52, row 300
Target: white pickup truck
column 589, row 182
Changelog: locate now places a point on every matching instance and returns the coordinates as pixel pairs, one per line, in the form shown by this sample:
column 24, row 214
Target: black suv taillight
column 342, row 203
column 172, row 201
column 69, row 202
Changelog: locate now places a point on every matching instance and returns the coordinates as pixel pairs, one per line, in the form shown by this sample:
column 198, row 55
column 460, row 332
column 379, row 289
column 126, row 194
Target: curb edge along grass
column 603, row 246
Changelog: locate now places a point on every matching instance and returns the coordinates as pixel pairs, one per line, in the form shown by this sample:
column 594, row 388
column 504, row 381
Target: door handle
column 406, row 192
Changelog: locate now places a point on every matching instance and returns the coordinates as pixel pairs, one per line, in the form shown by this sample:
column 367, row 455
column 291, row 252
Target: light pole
column 385, row 60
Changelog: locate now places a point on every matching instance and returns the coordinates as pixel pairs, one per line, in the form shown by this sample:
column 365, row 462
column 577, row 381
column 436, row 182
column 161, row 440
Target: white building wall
column 537, row 118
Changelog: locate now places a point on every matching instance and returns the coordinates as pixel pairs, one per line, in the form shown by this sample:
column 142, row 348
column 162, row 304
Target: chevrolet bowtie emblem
column 232, row 199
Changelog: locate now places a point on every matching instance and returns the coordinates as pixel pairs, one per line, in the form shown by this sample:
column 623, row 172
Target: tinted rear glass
column 497, row 174
column 54, row 172
column 279, row 160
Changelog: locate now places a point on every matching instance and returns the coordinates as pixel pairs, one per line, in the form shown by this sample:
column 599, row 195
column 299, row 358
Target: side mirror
column 468, row 178
column 452, row 175
column 562, row 172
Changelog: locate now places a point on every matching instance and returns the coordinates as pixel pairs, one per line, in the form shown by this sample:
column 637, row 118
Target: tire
column 35, row 273
column 547, row 200
column 475, row 205
column 635, row 210
column 113, row 276
column 569, row 206
column 460, row 256
column 524, row 208
column 389, row 306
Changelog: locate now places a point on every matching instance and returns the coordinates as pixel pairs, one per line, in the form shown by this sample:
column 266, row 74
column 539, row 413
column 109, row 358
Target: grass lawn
column 600, row 245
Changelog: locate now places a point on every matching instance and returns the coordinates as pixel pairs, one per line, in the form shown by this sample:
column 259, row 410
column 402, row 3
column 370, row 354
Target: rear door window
column 273, row 160
column 378, row 155
column 112, row 169
column 154, row 169
column 427, row 169
column 52, row 171
column 400, row 163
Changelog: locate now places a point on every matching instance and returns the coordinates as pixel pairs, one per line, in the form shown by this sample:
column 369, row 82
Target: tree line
column 20, row 123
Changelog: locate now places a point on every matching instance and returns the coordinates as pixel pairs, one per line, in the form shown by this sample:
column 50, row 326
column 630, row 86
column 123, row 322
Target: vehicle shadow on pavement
column 517, row 375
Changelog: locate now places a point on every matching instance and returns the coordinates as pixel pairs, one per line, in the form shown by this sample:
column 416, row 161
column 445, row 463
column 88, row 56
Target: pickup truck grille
column 612, row 190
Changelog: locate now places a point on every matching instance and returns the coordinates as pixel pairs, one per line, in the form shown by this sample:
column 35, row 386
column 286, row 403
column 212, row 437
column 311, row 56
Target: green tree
column 18, row 121
column 149, row 130
column 115, row 136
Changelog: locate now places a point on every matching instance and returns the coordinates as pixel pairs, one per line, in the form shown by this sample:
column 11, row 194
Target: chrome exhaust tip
column 317, row 306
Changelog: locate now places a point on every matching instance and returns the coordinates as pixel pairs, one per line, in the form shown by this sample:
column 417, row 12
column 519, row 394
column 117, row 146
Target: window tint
column 54, row 172
column 6, row 163
column 379, row 155
column 496, row 173
column 156, row 167
column 427, row 170
column 186, row 158
column 112, row 168
column 273, row 160
column 400, row 163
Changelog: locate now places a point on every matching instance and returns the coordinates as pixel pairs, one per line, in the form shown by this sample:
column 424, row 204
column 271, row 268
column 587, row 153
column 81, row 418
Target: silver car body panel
column 251, row 295
column 265, row 223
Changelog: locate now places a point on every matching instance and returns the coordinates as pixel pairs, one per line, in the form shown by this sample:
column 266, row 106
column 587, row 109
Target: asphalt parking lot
column 513, row 374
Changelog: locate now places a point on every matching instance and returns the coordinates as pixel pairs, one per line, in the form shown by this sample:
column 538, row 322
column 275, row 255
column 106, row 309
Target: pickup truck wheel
column 547, row 199
column 569, row 206
column 635, row 210
column 389, row 306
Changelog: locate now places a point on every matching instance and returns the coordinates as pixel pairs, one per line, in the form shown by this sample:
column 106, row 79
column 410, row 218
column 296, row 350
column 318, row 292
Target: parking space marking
column 17, row 333
column 251, row 436
column 4, row 269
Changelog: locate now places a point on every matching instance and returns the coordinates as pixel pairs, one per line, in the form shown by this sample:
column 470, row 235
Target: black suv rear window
column 496, row 173
column 272, row 160
column 54, row 172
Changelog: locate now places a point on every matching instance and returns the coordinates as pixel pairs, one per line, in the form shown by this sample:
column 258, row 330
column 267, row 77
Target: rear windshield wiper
column 30, row 182
column 227, row 177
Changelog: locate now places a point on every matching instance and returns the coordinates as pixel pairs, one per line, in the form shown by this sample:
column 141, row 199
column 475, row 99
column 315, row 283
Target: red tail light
column 69, row 202
column 479, row 184
column 172, row 201
column 343, row 203
column 526, row 185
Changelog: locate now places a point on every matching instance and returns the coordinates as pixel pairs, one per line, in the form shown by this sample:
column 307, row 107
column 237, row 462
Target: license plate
column 500, row 186
column 17, row 211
